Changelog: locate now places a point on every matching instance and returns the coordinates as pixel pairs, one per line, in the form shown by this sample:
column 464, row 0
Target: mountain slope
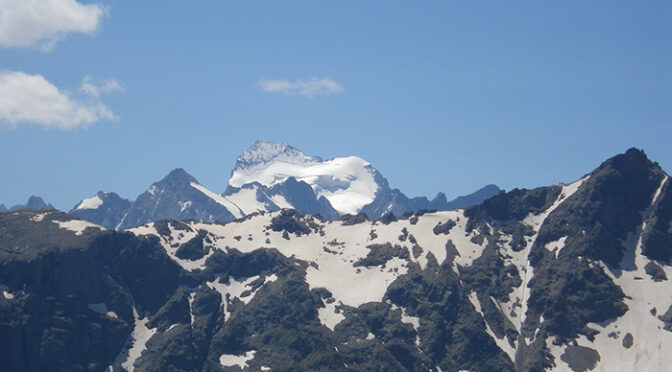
column 179, row 196
column 105, row 208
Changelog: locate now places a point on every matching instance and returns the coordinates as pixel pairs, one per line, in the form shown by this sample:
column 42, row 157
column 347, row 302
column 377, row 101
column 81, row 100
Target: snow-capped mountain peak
column 348, row 183
column 264, row 152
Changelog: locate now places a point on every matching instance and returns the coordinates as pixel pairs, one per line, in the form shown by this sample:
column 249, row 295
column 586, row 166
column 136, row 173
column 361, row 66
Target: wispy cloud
column 309, row 88
column 42, row 23
column 32, row 99
column 92, row 89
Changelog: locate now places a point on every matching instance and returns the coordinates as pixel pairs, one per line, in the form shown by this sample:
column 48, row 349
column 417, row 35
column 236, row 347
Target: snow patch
column 39, row 217
column 172, row 243
column 412, row 320
column 90, row 203
column 281, row 202
column 229, row 360
column 184, row 205
column 121, row 222
column 192, row 296
column 77, row 226
column 502, row 343
column 329, row 316
column 235, row 289
column 556, row 246
column 246, row 200
column 136, row 343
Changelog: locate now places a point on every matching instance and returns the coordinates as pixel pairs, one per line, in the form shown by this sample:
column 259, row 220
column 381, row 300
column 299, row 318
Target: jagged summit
column 263, row 152
column 34, row 202
column 178, row 175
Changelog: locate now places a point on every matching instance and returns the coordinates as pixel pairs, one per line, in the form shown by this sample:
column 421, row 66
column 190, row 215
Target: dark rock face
column 657, row 238
column 610, row 204
column 379, row 254
column 109, row 214
column 655, row 271
column 349, row 219
column 451, row 331
column 580, row 358
column 193, row 249
column 302, row 197
column 294, row 222
column 73, row 296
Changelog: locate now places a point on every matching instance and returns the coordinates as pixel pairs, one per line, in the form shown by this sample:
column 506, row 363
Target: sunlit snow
column 228, row 360
column 348, row 183
column 77, row 226
column 136, row 344
column 229, row 205
column 329, row 316
column 90, row 203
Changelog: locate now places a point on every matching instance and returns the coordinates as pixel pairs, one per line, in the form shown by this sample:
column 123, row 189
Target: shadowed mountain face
column 268, row 177
column 177, row 196
column 566, row 277
column 34, row 202
column 105, row 208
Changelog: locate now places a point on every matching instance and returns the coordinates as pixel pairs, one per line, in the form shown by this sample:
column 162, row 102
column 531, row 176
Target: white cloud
column 309, row 88
column 31, row 99
column 42, row 23
column 96, row 90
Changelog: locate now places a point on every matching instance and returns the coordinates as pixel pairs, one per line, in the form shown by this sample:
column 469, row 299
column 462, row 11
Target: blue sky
column 439, row 96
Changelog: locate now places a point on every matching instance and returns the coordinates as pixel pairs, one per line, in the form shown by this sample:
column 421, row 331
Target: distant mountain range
column 568, row 277
column 34, row 202
column 268, row 177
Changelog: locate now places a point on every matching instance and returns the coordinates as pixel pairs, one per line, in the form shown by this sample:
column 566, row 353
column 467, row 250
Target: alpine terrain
column 268, row 177
column 568, row 277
